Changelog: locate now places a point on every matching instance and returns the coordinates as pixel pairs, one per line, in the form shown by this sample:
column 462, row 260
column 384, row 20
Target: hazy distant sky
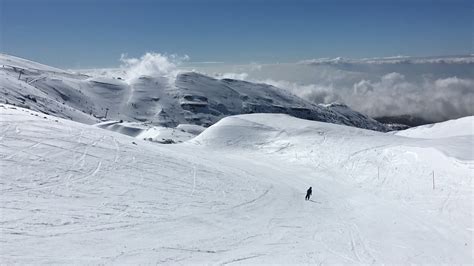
column 86, row 33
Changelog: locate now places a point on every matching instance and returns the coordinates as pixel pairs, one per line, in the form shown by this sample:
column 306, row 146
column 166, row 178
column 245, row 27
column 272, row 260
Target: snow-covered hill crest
column 282, row 134
column 191, row 98
column 456, row 127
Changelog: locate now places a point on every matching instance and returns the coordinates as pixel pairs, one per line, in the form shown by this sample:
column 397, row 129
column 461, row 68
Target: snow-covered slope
column 74, row 193
column 24, row 64
column 210, row 99
column 190, row 98
column 456, row 127
column 47, row 98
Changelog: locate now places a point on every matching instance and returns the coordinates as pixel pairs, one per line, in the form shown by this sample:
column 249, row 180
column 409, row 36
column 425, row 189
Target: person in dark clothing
column 308, row 193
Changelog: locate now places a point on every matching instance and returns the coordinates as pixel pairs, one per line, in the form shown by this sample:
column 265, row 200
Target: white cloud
column 241, row 76
column 151, row 64
column 400, row 59
column 433, row 99
column 312, row 92
column 390, row 95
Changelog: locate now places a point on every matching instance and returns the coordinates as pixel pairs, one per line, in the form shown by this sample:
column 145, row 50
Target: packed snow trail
column 73, row 193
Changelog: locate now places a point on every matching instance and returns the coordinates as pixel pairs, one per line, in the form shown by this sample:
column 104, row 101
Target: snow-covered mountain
column 190, row 98
column 76, row 194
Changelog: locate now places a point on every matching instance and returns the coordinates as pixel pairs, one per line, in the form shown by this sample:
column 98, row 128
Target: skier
column 308, row 193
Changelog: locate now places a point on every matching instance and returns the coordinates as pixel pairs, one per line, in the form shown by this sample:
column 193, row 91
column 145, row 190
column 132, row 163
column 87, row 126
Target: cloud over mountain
column 151, row 64
column 434, row 88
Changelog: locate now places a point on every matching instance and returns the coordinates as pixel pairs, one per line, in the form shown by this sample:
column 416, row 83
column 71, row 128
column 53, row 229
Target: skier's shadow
column 315, row 201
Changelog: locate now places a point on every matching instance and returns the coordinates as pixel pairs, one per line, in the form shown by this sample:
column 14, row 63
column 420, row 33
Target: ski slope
column 75, row 193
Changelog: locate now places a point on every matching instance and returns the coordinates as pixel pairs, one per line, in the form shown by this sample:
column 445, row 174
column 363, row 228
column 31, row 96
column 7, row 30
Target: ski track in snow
column 71, row 193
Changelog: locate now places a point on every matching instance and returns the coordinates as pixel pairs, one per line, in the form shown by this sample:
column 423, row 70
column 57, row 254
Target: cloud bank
column 433, row 88
column 393, row 95
column 400, row 59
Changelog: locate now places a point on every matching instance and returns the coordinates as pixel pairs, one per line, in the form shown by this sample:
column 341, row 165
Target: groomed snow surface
column 75, row 193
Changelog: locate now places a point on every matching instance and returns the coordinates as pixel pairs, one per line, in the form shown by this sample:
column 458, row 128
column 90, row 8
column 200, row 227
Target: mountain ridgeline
column 189, row 98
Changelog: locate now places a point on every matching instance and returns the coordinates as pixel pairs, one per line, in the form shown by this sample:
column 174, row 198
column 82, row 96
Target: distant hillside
column 190, row 98
column 407, row 120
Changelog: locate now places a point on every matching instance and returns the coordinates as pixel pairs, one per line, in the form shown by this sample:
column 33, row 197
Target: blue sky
column 86, row 33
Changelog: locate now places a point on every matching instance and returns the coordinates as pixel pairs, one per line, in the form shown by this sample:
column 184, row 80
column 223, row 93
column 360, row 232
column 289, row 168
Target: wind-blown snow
column 74, row 193
column 151, row 64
